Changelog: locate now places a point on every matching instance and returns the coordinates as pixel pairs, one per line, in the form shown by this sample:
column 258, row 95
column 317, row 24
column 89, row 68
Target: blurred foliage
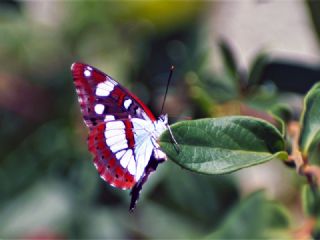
column 48, row 184
column 310, row 120
column 241, row 223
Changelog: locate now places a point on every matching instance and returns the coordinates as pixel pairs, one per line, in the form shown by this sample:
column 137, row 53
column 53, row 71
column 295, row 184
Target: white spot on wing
column 87, row 73
column 113, row 132
column 99, row 108
column 115, row 125
column 104, row 88
column 126, row 158
column 102, row 92
column 72, row 66
column 118, row 147
column 120, row 154
column 111, row 80
column 118, row 139
column 109, row 84
column 127, row 103
column 96, row 165
column 132, row 166
column 109, row 118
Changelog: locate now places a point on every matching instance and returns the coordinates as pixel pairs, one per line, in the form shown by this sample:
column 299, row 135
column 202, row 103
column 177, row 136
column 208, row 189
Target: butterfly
column 123, row 132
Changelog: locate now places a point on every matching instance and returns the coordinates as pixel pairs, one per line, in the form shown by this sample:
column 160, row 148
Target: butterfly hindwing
column 112, row 145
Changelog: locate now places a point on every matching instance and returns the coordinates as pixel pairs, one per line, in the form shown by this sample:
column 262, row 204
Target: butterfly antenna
column 167, row 87
column 175, row 144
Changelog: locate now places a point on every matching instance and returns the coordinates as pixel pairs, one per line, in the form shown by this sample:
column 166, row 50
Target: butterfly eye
column 164, row 118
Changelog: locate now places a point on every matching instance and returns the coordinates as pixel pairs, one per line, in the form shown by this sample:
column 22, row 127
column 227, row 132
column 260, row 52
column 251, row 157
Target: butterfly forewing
column 101, row 98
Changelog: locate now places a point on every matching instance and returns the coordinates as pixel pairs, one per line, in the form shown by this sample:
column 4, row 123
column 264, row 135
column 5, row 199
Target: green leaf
column 204, row 104
column 314, row 156
column 254, row 217
column 282, row 111
column 310, row 120
column 256, row 69
column 310, row 201
column 223, row 145
column 223, row 87
column 282, row 114
column 228, row 59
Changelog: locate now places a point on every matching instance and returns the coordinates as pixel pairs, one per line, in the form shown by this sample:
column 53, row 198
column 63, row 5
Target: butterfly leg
column 150, row 168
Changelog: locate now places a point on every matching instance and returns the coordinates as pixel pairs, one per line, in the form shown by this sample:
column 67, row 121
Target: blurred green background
column 49, row 187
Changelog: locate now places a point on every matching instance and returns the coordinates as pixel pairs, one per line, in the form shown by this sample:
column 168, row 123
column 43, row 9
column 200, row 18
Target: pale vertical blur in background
column 283, row 28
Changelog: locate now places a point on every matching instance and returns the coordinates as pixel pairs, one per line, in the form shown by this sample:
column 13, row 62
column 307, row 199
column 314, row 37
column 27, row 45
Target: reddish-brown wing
column 101, row 98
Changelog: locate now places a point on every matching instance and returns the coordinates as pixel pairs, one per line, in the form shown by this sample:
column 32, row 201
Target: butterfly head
column 163, row 118
column 161, row 124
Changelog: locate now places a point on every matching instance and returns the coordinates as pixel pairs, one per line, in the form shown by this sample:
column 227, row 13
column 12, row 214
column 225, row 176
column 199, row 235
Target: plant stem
column 296, row 156
column 311, row 172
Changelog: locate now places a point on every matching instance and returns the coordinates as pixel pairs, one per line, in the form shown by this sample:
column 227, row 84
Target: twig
column 296, row 155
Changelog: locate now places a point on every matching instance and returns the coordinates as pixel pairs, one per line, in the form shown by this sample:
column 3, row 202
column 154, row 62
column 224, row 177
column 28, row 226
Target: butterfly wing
column 101, row 98
column 117, row 120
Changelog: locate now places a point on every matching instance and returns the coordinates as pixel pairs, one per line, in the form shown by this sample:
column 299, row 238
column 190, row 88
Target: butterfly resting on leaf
column 123, row 132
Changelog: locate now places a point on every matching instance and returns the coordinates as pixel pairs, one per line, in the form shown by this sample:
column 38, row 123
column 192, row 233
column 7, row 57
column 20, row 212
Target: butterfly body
column 123, row 131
